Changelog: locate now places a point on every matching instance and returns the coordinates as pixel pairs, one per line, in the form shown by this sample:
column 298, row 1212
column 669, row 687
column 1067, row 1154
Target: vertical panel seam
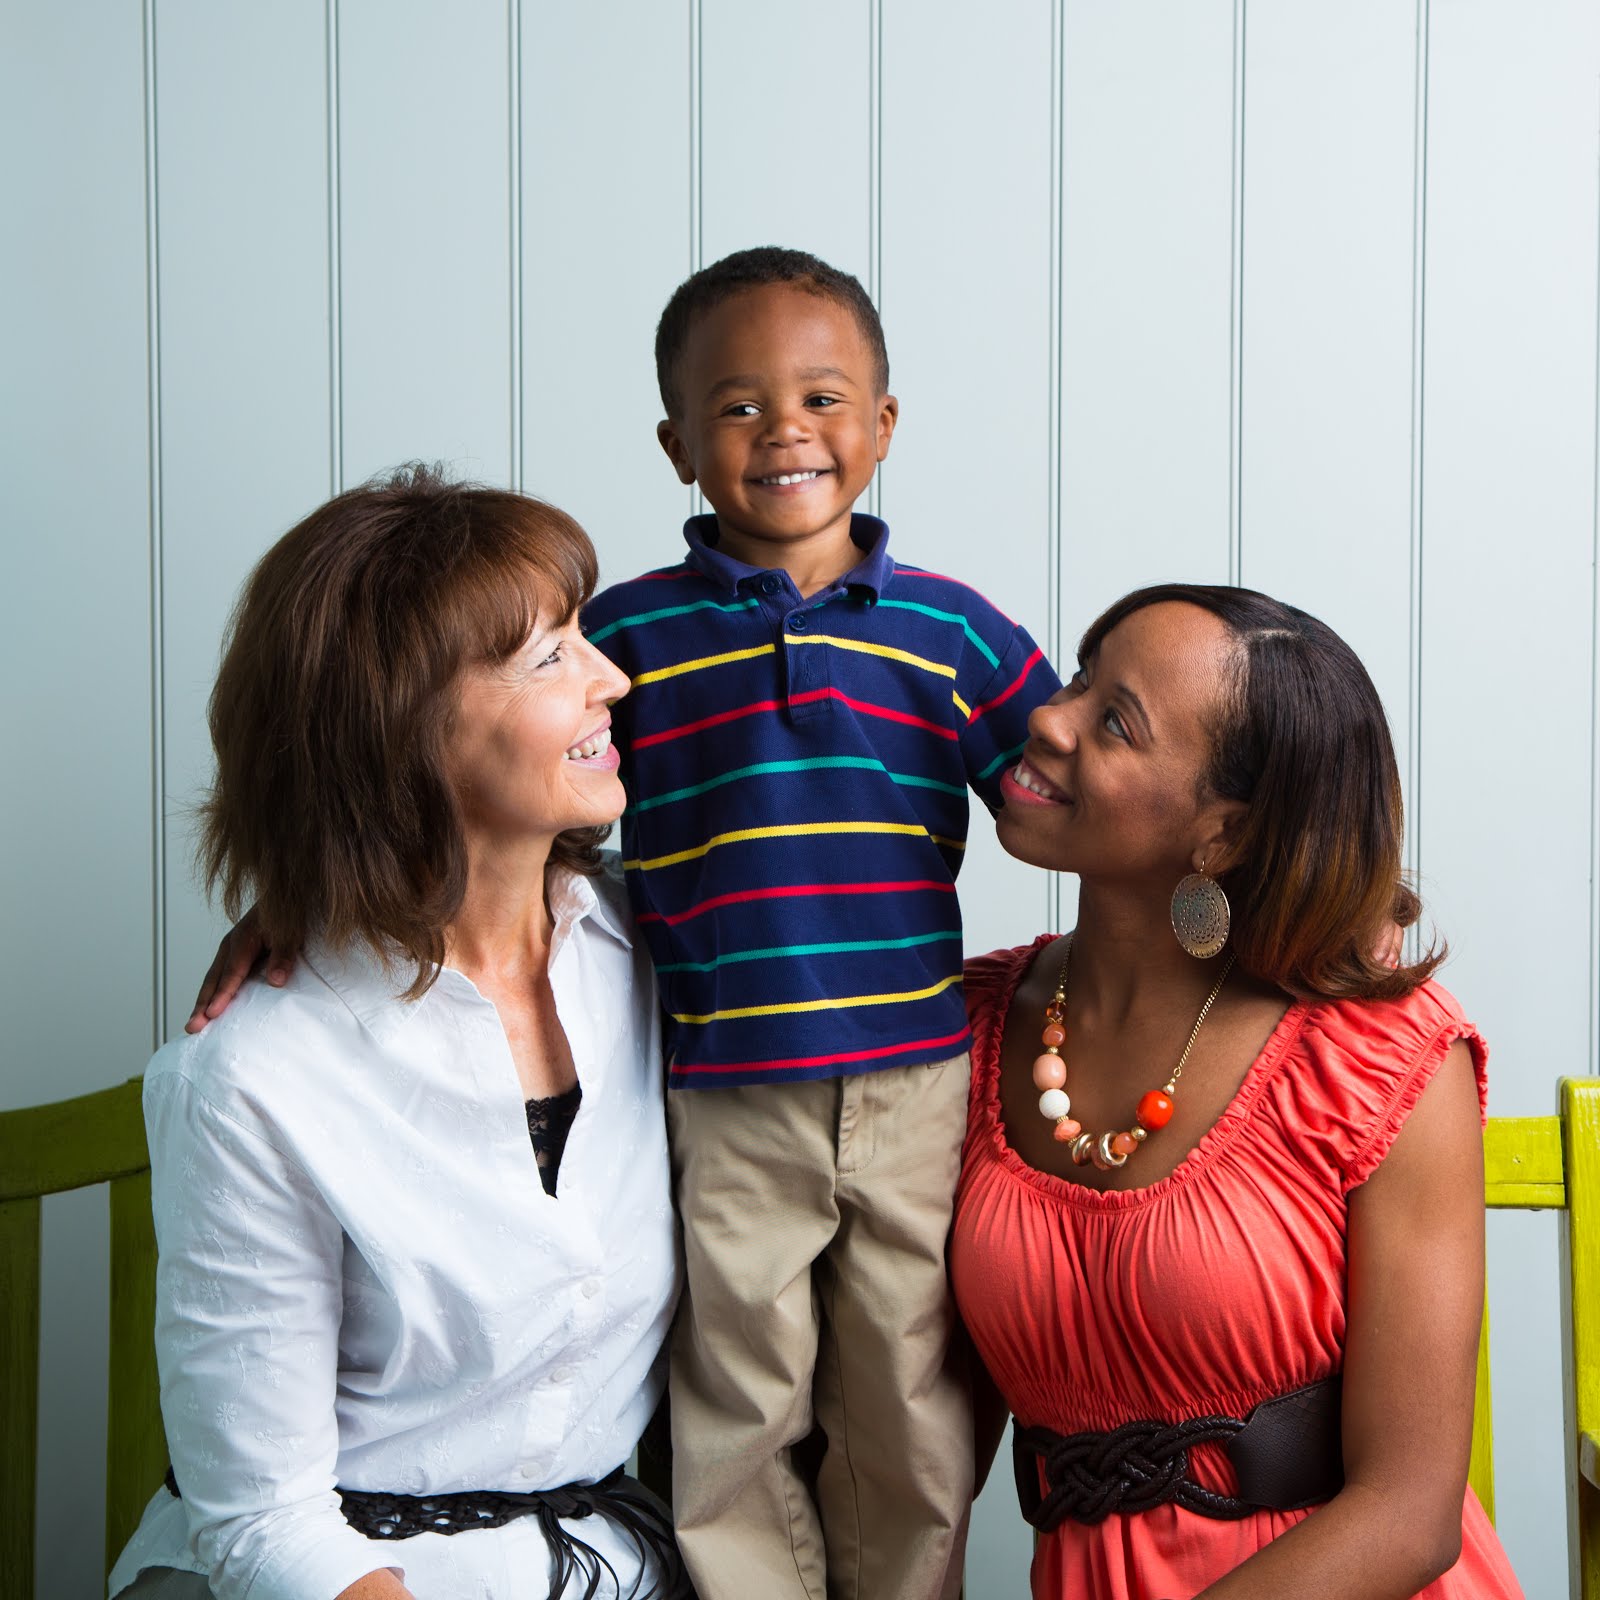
column 1594, row 663
column 335, row 260
column 1055, row 555
column 1419, row 291
column 697, row 502
column 156, row 515
column 514, row 170
column 696, row 173
column 875, row 192
column 1236, row 311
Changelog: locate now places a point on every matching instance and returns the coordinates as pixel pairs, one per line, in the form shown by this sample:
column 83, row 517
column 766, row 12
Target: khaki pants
column 815, row 1219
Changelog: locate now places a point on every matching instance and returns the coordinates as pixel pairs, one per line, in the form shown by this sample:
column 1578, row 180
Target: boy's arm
column 1001, row 704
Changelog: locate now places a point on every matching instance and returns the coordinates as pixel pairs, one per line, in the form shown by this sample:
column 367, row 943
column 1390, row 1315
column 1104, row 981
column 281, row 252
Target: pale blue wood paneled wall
column 1303, row 297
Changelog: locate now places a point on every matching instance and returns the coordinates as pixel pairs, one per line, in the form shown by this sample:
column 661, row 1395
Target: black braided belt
column 1286, row 1454
column 623, row 1501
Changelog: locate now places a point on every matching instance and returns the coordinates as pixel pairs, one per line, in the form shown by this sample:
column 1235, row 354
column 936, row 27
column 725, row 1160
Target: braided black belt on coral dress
column 624, row 1502
column 1287, row 1455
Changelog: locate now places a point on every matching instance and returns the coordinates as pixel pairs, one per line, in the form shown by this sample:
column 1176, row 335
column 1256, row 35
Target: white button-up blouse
column 362, row 1280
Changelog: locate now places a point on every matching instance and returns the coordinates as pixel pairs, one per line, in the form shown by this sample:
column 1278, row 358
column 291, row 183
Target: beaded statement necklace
column 1112, row 1148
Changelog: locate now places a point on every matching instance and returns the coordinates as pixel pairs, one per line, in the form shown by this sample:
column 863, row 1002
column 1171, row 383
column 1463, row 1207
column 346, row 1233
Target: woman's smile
column 1026, row 785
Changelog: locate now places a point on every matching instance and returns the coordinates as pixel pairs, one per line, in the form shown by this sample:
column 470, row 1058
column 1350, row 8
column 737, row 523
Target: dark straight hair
column 1315, row 884
column 331, row 804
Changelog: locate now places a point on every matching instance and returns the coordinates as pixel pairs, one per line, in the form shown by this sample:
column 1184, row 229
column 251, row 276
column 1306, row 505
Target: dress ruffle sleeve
column 1366, row 1065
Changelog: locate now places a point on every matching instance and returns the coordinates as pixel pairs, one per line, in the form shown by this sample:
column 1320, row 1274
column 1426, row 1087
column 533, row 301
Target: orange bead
column 1049, row 1072
column 1054, row 1034
column 1124, row 1144
column 1155, row 1109
column 1067, row 1130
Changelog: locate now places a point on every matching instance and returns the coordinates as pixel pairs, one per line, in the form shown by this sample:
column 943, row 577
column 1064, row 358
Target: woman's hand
column 242, row 948
column 1411, row 1348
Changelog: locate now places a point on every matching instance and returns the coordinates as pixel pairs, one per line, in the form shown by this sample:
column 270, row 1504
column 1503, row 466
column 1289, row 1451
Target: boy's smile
column 782, row 428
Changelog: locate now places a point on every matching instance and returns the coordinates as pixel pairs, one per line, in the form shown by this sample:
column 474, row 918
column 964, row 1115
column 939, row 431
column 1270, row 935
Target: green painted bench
column 97, row 1138
column 1543, row 1164
column 1531, row 1163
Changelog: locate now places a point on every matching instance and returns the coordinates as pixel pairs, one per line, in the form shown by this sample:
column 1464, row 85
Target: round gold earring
column 1200, row 915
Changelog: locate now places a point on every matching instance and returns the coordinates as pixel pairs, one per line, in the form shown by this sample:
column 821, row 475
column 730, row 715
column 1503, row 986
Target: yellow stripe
column 878, row 650
column 843, row 1001
column 702, row 661
column 789, row 831
column 961, row 705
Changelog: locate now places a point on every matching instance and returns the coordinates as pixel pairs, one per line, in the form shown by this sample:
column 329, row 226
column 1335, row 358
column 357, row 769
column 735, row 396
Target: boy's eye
column 742, row 408
column 822, row 401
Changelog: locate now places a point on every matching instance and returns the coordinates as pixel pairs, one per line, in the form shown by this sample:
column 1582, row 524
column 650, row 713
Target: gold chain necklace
column 1112, row 1148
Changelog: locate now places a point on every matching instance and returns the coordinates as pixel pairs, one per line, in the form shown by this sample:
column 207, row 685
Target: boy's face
column 777, row 383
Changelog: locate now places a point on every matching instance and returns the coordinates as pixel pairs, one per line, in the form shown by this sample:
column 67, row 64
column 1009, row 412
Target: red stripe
column 1016, row 683
column 955, row 583
column 665, row 572
column 949, row 1040
column 783, row 891
column 864, row 706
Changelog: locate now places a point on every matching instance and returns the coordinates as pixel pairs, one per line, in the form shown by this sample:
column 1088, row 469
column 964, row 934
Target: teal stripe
column 842, row 947
column 639, row 618
column 1005, row 757
column 810, row 764
column 947, row 616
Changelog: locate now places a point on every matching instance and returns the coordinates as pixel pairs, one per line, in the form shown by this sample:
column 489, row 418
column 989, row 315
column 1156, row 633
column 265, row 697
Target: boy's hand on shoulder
column 242, row 952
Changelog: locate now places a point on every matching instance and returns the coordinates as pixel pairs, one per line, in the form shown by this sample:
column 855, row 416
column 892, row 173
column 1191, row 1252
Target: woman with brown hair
column 1219, row 1233
column 416, row 1247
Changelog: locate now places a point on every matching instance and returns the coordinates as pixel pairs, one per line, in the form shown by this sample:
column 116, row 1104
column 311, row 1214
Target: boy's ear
column 676, row 454
column 888, row 415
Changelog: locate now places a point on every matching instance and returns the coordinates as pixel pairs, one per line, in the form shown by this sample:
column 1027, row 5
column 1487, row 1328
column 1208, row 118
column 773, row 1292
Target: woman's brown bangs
column 528, row 565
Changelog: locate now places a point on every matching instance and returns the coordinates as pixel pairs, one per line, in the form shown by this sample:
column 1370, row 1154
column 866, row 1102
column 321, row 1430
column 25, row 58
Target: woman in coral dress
column 1219, row 1234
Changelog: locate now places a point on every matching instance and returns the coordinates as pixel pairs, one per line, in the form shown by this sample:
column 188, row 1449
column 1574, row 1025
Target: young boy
column 806, row 717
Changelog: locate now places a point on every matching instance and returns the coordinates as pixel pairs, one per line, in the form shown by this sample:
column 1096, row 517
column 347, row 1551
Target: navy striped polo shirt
column 797, row 774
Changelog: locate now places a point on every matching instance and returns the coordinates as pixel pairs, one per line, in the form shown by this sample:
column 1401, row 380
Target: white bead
column 1054, row 1104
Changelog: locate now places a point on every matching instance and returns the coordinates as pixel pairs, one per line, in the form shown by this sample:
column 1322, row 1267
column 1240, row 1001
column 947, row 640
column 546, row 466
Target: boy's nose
column 788, row 424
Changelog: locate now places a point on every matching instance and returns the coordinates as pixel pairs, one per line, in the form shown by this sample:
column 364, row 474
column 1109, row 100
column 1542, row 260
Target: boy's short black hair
column 752, row 269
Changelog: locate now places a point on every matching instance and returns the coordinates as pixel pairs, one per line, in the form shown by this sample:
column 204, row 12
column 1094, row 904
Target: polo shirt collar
column 870, row 535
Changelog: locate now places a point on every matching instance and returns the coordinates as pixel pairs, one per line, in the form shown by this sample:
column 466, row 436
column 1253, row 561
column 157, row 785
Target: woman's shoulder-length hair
column 1316, row 886
column 331, row 805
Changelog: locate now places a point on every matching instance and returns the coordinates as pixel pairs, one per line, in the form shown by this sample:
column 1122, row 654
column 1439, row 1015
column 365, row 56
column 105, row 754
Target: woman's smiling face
column 1111, row 783
column 529, row 748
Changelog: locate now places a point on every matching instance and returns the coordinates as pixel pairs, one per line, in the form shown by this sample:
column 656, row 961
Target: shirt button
column 797, row 622
column 589, row 1288
column 771, row 584
column 524, row 1472
column 561, row 1375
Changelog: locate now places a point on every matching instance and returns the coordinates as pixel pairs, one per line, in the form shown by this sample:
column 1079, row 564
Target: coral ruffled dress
column 1214, row 1288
